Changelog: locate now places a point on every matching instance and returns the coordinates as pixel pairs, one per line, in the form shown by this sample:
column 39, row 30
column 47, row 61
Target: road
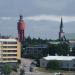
column 25, row 64
column 37, row 73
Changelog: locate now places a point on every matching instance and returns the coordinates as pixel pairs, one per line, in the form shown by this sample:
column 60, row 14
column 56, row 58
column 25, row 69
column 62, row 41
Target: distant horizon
column 69, row 36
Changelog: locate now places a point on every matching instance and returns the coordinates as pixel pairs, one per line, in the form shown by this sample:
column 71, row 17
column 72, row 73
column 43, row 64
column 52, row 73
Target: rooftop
column 8, row 39
column 59, row 57
column 40, row 45
column 54, row 42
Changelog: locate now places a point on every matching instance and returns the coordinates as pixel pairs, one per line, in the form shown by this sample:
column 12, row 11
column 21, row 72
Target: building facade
column 34, row 50
column 65, row 62
column 9, row 50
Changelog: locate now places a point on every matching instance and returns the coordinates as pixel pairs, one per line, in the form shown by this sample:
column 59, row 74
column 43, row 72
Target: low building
column 54, row 42
column 65, row 62
column 34, row 50
column 9, row 50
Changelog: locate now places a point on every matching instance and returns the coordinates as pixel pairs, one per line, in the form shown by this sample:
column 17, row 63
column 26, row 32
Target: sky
column 42, row 17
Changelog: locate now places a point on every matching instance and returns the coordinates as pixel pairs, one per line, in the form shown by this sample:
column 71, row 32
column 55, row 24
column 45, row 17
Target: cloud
column 6, row 18
column 52, row 18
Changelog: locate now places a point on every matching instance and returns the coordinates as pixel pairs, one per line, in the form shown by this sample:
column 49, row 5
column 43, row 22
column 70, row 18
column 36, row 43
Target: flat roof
column 8, row 39
column 59, row 57
column 54, row 42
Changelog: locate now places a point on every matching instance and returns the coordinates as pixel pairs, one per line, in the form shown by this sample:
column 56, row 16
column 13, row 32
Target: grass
column 52, row 71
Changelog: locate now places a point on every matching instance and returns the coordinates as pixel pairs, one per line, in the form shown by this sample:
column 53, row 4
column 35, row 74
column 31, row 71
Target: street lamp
column 70, row 60
column 70, row 50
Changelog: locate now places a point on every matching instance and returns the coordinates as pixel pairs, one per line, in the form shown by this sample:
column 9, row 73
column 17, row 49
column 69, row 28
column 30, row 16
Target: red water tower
column 21, row 27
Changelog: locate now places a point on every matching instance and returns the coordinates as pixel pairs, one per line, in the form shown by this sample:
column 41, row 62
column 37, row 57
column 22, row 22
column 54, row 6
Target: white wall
column 64, row 64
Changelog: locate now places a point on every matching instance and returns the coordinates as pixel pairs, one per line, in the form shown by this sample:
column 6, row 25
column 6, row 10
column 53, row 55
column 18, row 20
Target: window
column 9, row 46
column 9, row 54
column 9, row 42
column 4, row 42
column 12, row 42
column 27, row 51
column 9, row 50
column 73, row 65
column 39, row 48
column 12, row 59
column 35, row 51
column 9, row 59
column 4, row 46
column 12, row 47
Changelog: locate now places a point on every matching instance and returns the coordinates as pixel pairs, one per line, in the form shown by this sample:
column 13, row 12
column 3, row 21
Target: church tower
column 21, row 28
column 61, row 33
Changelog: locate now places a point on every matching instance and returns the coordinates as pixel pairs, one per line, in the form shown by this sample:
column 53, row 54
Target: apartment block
column 10, row 51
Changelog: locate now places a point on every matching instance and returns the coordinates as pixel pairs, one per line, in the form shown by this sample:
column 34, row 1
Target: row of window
column 8, row 46
column 9, row 59
column 32, row 51
column 9, row 50
column 9, row 54
column 35, row 48
column 9, row 42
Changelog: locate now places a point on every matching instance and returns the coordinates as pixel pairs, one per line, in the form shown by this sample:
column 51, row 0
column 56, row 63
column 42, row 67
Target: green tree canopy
column 7, row 69
column 22, row 72
column 53, row 64
column 60, row 49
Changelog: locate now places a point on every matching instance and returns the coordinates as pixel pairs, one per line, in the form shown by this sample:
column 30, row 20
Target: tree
column 53, row 64
column 52, row 49
column 14, row 68
column 28, row 39
column 34, row 41
column 37, row 62
column 19, row 61
column 22, row 50
column 63, row 49
column 7, row 69
column 60, row 49
column 22, row 72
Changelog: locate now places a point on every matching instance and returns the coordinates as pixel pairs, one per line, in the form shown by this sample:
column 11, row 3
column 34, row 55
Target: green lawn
column 52, row 71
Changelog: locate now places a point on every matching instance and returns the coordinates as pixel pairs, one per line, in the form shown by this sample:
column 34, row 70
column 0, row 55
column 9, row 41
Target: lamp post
column 70, row 60
column 70, row 50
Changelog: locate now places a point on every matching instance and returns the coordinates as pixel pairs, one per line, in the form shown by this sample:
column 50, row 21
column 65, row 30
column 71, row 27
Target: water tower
column 21, row 29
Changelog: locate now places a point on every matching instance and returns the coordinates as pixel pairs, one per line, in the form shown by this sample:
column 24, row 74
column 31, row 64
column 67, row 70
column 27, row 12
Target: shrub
column 53, row 64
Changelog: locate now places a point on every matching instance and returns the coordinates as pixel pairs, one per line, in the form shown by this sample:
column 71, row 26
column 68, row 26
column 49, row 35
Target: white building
column 64, row 61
